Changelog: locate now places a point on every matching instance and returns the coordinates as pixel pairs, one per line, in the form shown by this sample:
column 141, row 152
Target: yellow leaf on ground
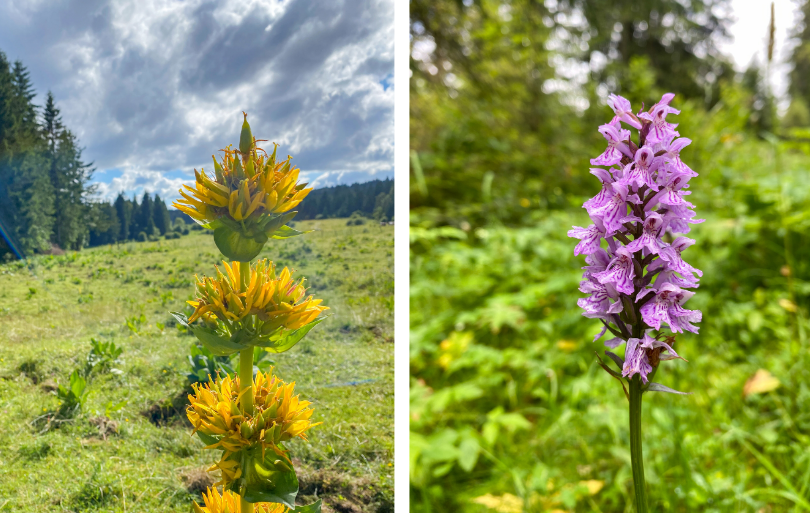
column 506, row 503
column 787, row 304
column 594, row 485
column 761, row 382
column 566, row 345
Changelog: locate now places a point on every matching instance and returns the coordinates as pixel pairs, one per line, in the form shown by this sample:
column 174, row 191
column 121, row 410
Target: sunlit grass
column 49, row 313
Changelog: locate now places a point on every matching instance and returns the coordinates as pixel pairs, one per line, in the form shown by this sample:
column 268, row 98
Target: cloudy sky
column 154, row 88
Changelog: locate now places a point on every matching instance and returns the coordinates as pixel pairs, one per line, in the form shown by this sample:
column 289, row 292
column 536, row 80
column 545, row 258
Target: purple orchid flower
column 621, row 107
column 639, row 202
column 639, row 172
column 619, row 272
column 615, row 136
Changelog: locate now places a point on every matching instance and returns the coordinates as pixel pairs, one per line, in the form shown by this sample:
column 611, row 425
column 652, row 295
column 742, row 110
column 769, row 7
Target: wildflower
column 229, row 502
column 638, row 172
column 613, row 209
column 615, row 136
column 619, row 272
column 278, row 302
column 649, row 239
column 623, row 111
column 639, row 282
column 245, row 198
column 590, row 238
column 277, row 417
column 659, row 129
column 638, row 355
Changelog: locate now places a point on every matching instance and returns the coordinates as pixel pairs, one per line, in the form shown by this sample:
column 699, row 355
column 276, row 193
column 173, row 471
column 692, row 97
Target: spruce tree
column 146, row 220
column 24, row 167
column 103, row 223
column 122, row 211
column 161, row 216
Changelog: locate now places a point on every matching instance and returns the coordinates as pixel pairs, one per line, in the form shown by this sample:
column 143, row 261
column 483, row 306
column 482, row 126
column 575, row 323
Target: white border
column 401, row 256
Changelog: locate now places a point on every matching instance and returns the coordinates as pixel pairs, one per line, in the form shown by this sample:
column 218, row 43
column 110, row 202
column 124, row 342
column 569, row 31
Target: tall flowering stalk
column 637, row 281
column 248, row 201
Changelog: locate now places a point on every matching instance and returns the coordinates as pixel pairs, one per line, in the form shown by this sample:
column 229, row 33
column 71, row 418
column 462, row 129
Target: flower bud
column 246, row 137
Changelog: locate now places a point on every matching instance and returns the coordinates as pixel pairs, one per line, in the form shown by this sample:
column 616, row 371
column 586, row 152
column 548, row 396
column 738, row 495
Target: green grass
column 49, row 313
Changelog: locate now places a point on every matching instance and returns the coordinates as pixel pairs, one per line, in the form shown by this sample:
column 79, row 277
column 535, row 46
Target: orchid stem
column 636, row 458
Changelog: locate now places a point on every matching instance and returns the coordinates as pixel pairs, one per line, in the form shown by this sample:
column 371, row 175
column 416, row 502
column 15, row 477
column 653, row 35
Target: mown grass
column 50, row 311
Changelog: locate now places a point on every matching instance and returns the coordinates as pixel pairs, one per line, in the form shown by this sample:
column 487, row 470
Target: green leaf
column 207, row 439
column 268, row 482
column 286, row 342
column 219, row 345
column 617, row 359
column 181, row 318
column 235, row 245
column 612, row 373
column 468, row 453
column 285, row 232
column 658, row 387
column 270, row 224
column 77, row 384
column 315, row 507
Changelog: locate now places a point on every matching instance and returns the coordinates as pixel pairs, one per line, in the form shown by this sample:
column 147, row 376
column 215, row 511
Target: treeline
column 126, row 219
column 371, row 199
column 502, row 122
column 44, row 183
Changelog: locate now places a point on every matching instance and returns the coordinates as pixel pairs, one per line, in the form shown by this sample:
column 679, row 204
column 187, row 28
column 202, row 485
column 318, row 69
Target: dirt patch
column 379, row 333
column 49, row 386
column 30, row 371
column 197, row 480
column 169, row 411
column 106, row 426
column 55, row 250
column 341, row 492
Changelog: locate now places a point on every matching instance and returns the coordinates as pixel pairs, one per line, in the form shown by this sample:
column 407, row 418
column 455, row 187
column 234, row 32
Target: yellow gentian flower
column 277, row 301
column 277, row 417
column 247, row 184
column 230, row 502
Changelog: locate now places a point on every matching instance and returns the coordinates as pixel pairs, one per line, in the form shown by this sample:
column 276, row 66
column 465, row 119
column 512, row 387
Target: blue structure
column 15, row 248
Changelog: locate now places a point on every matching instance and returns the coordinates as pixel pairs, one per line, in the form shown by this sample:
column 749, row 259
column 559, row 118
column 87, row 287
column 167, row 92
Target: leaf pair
column 222, row 344
column 243, row 242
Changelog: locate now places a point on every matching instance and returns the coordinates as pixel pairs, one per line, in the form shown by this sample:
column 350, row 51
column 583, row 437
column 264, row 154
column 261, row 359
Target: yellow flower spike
column 263, row 185
column 278, row 415
column 230, row 502
column 277, row 301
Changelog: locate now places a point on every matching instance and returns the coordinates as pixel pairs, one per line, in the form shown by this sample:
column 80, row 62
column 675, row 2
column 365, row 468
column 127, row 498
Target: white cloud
column 152, row 87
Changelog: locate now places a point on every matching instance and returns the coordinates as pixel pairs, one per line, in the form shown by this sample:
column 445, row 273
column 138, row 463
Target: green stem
column 246, row 379
column 246, row 507
column 636, row 457
column 245, row 374
column 245, row 355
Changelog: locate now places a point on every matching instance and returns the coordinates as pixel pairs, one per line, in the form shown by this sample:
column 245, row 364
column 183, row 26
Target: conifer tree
column 161, row 216
column 145, row 216
column 123, row 212
column 103, row 223
column 24, row 167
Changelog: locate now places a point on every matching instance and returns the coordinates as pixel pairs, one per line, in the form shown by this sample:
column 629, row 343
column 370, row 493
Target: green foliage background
column 509, row 409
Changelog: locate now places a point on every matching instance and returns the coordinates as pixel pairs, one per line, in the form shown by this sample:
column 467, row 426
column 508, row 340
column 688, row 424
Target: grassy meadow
column 141, row 458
